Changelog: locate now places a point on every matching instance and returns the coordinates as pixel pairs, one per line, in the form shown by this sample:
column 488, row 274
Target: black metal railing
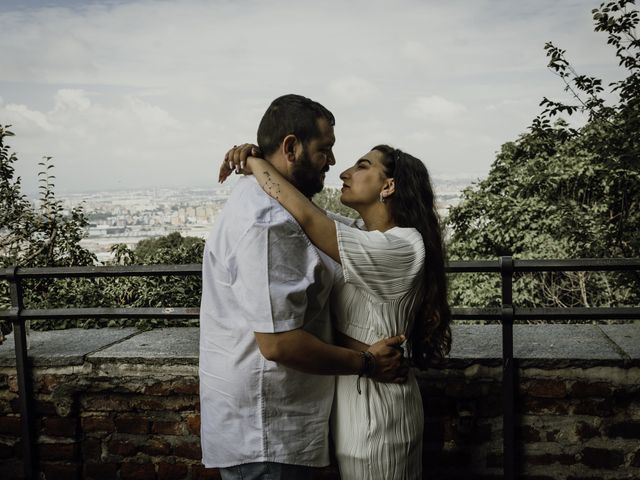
column 506, row 314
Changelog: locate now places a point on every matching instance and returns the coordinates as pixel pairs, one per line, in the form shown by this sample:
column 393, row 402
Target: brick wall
column 574, row 423
column 127, row 411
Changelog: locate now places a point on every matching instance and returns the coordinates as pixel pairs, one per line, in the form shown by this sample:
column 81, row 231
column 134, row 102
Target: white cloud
column 141, row 92
column 100, row 140
column 71, row 99
column 22, row 117
column 352, row 89
column 434, row 108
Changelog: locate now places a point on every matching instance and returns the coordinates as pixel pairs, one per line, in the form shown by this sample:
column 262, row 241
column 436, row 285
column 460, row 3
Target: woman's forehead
column 374, row 157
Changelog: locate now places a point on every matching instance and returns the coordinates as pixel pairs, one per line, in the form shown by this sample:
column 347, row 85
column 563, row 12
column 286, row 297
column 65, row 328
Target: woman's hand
column 235, row 160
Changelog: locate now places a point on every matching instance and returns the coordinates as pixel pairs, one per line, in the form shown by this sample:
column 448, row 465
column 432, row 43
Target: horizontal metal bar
column 578, row 313
column 571, row 265
column 53, row 313
column 108, row 271
column 487, row 314
column 458, row 266
column 580, row 264
column 476, row 313
column 10, row 313
column 181, row 312
column 473, row 266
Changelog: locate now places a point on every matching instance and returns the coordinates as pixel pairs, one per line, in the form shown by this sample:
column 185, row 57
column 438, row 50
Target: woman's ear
column 388, row 188
column 289, row 147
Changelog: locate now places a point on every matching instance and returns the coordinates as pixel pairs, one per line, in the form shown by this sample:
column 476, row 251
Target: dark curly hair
column 413, row 205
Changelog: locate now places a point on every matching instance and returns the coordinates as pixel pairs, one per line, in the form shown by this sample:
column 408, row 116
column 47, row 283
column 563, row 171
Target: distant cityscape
column 133, row 215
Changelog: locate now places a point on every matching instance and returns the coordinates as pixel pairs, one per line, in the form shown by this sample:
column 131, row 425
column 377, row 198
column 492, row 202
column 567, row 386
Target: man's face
column 314, row 161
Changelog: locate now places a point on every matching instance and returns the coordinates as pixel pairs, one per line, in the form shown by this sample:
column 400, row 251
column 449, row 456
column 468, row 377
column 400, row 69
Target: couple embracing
column 305, row 314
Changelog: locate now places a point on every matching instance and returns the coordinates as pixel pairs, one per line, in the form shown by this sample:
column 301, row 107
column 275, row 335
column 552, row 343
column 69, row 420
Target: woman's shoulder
column 409, row 236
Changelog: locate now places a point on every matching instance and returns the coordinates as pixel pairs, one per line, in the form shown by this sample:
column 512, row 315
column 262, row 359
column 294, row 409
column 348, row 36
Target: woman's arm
column 320, row 229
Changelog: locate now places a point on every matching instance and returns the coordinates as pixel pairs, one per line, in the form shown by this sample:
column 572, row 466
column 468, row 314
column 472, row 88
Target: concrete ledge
column 549, row 345
column 180, row 345
column 534, row 345
column 64, row 347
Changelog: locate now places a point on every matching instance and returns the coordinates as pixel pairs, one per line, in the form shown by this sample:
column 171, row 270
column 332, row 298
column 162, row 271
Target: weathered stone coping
column 554, row 346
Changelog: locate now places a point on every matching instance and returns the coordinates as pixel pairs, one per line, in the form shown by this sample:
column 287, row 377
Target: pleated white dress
column 378, row 433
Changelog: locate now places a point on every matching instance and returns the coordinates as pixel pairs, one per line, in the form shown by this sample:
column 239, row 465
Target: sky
column 137, row 94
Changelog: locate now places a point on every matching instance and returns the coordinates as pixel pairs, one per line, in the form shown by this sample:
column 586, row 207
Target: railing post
column 23, row 372
column 508, row 369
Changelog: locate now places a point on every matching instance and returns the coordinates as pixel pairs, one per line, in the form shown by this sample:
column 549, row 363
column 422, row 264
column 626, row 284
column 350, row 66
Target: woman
column 386, row 289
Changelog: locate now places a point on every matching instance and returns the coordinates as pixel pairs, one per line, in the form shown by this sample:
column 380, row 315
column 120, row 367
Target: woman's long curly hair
column 413, row 205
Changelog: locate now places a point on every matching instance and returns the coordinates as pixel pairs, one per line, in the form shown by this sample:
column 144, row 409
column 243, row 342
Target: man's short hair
column 290, row 115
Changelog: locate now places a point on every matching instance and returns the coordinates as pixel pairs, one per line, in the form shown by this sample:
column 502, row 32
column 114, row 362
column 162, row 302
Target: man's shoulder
column 249, row 201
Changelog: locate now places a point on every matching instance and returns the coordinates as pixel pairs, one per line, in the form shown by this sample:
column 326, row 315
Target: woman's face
column 362, row 183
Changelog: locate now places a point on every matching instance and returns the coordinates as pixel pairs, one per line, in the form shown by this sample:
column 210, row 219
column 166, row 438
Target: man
column 266, row 358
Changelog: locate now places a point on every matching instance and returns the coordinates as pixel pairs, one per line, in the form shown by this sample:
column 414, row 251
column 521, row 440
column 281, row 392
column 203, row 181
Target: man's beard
column 305, row 177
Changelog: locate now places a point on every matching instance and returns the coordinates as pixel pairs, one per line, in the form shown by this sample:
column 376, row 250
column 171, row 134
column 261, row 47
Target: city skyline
column 129, row 216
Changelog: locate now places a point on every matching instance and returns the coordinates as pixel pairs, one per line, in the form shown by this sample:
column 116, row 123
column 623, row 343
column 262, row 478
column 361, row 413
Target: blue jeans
column 266, row 471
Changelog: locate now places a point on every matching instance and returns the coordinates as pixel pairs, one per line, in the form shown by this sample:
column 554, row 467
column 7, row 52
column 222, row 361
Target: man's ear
column 289, row 144
column 388, row 188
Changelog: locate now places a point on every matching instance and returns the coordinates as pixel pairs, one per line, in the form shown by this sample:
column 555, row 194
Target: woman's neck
column 376, row 217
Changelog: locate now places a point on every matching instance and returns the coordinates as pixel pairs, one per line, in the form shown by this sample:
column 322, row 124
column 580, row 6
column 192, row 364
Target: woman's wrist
column 255, row 162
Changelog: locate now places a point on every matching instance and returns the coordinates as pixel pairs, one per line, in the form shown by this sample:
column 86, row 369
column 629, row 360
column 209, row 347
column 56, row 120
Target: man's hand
column 235, row 160
column 390, row 364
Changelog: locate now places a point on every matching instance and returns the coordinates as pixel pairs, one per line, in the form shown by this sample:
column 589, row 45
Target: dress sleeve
column 274, row 265
column 383, row 263
column 352, row 222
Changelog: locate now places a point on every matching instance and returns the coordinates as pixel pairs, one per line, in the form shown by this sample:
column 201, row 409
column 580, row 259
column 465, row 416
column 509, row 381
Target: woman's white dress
column 378, row 433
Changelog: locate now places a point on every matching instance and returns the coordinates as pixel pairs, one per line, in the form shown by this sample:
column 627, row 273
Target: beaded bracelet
column 368, row 367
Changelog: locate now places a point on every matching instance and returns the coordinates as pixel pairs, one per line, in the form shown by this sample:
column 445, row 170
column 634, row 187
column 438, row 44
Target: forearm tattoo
column 272, row 187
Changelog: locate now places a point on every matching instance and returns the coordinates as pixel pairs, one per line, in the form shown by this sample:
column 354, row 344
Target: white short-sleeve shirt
column 261, row 273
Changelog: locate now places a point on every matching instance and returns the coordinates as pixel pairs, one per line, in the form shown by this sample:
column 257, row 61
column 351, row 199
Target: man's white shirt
column 261, row 273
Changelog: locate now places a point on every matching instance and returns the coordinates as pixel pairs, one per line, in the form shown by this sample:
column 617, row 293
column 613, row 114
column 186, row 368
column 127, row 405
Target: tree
column 561, row 192
column 42, row 235
column 173, row 248
column 36, row 235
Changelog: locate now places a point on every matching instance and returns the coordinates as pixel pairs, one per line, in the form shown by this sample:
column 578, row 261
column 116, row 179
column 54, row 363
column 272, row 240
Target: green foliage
column 329, row 199
column 134, row 292
column 173, row 248
column 44, row 235
column 559, row 192
column 165, row 291
column 47, row 235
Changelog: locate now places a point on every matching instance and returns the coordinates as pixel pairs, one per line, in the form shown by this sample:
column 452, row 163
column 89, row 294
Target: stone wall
column 117, row 403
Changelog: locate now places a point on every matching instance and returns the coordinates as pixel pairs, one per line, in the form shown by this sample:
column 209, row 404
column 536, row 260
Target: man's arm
column 303, row 351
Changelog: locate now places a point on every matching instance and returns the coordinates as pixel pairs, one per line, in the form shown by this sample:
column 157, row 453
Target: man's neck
column 281, row 165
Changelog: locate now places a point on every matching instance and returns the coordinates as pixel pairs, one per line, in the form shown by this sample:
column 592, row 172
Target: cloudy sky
column 132, row 94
